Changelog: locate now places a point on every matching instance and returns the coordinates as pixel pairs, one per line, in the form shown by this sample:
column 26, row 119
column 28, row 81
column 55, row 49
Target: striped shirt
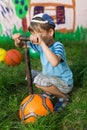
column 62, row 70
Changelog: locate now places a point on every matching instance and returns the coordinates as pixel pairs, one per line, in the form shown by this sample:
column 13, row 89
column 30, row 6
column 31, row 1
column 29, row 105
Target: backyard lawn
column 14, row 88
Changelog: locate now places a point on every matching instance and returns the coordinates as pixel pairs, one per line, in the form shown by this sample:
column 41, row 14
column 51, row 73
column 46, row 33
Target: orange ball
column 33, row 106
column 13, row 57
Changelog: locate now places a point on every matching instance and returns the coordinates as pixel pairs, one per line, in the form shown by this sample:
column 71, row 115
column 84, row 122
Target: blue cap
column 45, row 17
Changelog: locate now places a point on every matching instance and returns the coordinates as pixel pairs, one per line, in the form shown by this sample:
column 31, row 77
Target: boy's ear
column 51, row 32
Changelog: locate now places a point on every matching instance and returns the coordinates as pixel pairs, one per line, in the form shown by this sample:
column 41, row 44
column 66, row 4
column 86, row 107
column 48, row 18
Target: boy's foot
column 61, row 104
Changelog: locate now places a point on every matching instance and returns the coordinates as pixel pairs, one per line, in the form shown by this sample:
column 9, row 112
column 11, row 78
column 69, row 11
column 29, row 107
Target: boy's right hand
column 16, row 38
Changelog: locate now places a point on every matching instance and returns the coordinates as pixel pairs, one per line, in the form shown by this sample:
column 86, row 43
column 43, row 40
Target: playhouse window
column 38, row 9
column 60, row 14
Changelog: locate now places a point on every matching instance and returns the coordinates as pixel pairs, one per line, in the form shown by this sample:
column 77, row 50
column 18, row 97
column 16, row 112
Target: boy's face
column 47, row 36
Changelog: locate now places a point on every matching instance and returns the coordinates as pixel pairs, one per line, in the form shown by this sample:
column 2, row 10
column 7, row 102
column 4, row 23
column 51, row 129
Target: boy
column 56, row 77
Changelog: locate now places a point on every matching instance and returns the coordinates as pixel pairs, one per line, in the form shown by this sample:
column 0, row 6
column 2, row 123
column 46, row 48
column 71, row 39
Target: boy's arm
column 18, row 40
column 52, row 58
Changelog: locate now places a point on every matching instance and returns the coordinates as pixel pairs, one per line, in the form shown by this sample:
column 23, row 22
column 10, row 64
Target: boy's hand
column 36, row 39
column 17, row 39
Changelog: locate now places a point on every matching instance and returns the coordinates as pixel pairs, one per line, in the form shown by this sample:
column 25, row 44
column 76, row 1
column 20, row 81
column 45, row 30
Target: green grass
column 13, row 89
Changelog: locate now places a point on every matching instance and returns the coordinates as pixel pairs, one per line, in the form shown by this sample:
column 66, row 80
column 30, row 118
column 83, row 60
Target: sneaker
column 61, row 104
